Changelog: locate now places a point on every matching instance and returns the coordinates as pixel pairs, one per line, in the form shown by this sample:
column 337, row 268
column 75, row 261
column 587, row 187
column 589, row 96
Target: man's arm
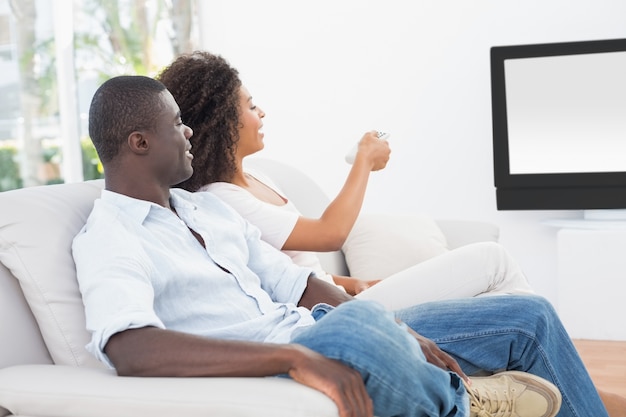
column 319, row 291
column 151, row 351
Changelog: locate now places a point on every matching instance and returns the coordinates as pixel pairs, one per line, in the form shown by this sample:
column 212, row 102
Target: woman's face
column 251, row 123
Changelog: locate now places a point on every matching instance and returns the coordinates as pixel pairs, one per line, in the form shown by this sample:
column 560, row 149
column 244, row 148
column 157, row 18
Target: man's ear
column 138, row 142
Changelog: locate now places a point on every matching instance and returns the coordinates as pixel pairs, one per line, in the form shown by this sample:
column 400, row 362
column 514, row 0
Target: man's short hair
column 120, row 106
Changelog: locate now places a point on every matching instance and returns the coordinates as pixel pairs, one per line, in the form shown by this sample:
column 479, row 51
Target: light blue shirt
column 139, row 265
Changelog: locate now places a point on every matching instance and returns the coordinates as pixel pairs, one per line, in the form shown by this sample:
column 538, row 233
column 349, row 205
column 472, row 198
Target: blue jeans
column 366, row 337
column 484, row 334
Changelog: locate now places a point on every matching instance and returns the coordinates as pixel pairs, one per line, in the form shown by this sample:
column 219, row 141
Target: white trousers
column 477, row 269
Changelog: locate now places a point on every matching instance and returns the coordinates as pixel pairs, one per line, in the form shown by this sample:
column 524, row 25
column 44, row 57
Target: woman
column 227, row 128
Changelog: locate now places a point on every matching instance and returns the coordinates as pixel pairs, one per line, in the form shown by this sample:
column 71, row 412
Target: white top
column 139, row 265
column 275, row 222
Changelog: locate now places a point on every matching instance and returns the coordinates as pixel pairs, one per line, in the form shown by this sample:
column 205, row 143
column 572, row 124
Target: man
column 165, row 272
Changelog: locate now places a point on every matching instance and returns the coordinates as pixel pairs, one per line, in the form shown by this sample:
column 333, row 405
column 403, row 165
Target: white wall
column 326, row 71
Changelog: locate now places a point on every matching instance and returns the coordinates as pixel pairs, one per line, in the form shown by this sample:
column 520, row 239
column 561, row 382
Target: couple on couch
column 177, row 284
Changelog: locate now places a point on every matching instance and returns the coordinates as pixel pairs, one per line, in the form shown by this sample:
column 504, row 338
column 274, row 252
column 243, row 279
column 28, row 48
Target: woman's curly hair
column 206, row 89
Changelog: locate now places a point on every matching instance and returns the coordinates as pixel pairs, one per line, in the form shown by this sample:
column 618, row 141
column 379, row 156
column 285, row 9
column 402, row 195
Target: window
column 53, row 56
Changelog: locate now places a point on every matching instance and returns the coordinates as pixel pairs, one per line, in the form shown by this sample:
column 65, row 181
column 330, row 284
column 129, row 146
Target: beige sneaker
column 513, row 394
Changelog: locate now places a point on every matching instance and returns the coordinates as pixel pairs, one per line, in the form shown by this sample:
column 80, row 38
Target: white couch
column 44, row 368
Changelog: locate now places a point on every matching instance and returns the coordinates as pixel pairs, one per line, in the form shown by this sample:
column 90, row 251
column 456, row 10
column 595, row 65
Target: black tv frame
column 547, row 191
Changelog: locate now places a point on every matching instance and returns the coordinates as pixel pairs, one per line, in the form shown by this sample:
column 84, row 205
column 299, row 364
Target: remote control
column 352, row 153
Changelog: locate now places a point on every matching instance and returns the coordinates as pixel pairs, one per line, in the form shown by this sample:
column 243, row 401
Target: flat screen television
column 559, row 125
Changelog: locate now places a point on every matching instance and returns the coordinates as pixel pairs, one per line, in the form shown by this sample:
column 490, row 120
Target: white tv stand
column 593, row 220
column 616, row 215
column 592, row 277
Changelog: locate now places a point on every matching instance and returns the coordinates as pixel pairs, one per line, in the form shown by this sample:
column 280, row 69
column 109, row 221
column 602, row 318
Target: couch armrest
column 463, row 232
column 53, row 390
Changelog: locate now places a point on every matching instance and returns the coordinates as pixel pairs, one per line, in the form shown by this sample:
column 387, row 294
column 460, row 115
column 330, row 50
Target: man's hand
column 341, row 383
column 437, row 356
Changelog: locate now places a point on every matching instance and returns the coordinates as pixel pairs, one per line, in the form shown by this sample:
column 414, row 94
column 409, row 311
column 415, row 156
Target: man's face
column 169, row 144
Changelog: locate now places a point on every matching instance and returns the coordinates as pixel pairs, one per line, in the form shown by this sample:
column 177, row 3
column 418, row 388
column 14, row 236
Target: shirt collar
column 182, row 200
column 134, row 208
column 138, row 209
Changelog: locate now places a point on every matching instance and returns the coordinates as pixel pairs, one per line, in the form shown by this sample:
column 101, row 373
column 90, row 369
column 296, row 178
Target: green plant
column 9, row 169
column 10, row 178
column 92, row 167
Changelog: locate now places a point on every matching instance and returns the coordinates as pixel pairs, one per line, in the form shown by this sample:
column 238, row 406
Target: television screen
column 559, row 125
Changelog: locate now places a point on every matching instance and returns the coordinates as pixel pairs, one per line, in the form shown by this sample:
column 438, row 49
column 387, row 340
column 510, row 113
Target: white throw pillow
column 37, row 227
column 380, row 245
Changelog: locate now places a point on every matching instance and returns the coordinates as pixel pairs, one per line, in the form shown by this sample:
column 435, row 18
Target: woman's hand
column 361, row 285
column 353, row 286
column 374, row 150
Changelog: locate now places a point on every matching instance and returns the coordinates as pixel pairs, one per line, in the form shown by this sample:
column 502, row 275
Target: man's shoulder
column 101, row 221
column 112, row 215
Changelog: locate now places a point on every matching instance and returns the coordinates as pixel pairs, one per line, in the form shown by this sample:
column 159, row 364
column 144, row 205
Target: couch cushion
column 380, row 245
column 37, row 227
column 52, row 390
